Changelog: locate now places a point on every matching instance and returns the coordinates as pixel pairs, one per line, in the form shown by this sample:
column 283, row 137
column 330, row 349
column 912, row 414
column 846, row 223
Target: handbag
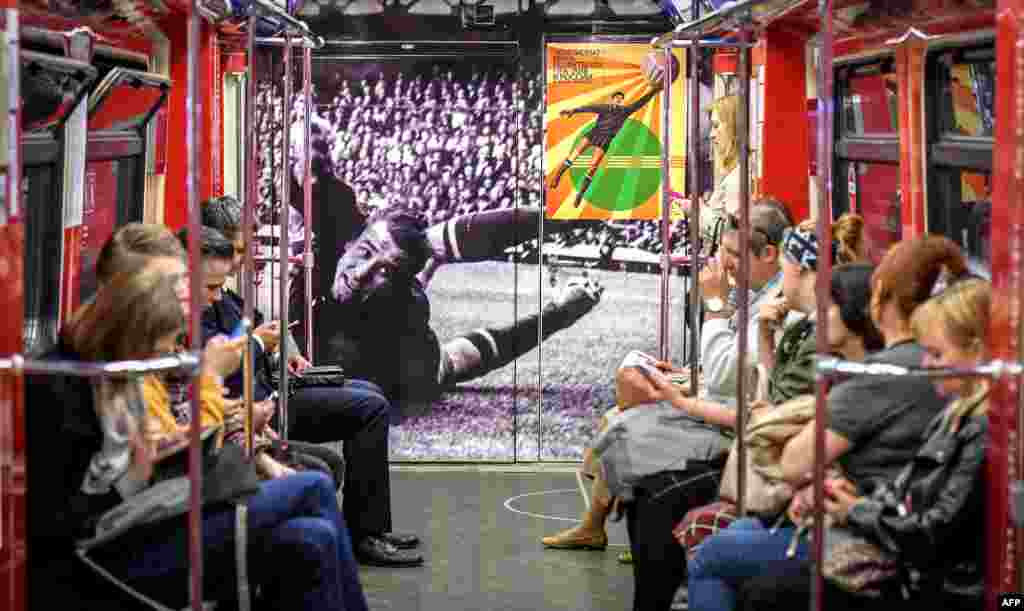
column 766, row 492
column 651, row 438
column 855, row 564
column 313, row 377
column 702, row 522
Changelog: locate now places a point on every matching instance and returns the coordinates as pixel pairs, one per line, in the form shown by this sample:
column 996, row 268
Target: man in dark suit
column 356, row 412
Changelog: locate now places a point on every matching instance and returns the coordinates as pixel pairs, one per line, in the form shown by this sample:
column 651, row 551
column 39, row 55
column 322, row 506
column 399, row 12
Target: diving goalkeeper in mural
column 610, row 119
column 373, row 312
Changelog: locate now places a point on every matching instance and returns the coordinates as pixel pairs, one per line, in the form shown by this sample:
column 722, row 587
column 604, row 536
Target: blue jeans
column 299, row 550
column 746, row 549
column 359, row 414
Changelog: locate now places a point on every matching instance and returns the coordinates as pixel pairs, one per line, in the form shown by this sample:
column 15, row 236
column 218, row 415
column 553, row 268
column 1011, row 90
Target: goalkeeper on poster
column 610, row 119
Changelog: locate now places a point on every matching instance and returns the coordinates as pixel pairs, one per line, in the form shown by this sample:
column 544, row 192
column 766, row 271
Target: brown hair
column 908, row 272
column 848, row 232
column 130, row 313
column 131, row 247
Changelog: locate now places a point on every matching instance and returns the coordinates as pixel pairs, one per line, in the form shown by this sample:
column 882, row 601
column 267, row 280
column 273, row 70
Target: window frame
column 853, row 148
column 947, row 154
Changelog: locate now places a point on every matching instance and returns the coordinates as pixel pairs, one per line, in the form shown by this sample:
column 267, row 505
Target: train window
column 872, row 190
column 867, row 172
column 965, row 100
column 961, row 109
column 868, row 99
column 51, row 88
column 126, row 99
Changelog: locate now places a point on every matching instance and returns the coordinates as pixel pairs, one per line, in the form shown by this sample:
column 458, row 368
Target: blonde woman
column 725, row 199
column 931, row 517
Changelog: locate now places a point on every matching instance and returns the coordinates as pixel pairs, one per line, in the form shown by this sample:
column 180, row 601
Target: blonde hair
column 848, row 233
column 963, row 311
column 727, row 109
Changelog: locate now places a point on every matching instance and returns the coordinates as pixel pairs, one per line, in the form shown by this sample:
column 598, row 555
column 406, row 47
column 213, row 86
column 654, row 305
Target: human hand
column 270, row 334
column 840, row 497
column 666, row 367
column 222, row 356
column 772, row 313
column 800, row 505
column 143, row 457
column 665, row 389
column 714, row 281
column 298, row 363
column 262, row 412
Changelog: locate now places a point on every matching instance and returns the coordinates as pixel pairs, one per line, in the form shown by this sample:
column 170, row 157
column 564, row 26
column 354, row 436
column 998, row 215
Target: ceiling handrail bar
column 301, row 26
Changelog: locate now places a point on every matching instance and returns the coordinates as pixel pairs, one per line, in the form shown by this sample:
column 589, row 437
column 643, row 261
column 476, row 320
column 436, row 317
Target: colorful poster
column 603, row 130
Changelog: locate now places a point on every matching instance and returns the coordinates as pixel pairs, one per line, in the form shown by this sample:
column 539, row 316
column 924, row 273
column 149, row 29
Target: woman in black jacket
column 931, row 517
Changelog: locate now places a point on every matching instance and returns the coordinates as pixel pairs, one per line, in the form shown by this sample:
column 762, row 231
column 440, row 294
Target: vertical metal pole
column 248, row 221
column 13, row 126
column 696, row 249
column 666, row 218
column 743, row 282
column 284, row 240
column 824, row 277
column 192, row 114
column 307, row 199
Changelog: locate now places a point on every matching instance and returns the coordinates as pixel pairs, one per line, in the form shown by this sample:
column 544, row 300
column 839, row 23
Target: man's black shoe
column 378, row 552
column 402, row 540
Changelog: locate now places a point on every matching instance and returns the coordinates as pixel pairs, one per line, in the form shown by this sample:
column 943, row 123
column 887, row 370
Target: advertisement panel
column 603, row 129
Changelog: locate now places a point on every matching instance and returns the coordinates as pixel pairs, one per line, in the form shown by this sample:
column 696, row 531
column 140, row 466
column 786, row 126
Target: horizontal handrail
column 298, row 24
column 185, row 362
column 834, row 367
column 713, row 20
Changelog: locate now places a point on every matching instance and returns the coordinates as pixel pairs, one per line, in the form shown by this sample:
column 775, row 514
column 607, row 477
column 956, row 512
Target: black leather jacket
column 932, row 515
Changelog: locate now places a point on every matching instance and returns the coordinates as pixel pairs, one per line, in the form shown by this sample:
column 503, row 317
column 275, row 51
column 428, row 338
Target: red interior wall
column 176, row 194
column 786, row 137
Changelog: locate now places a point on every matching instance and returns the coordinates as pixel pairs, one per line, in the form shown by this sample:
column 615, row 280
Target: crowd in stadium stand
column 446, row 143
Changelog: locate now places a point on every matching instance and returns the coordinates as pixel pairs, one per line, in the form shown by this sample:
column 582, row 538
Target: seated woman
column 874, row 429
column 88, row 453
column 939, row 533
column 659, row 563
column 140, row 247
column 631, row 389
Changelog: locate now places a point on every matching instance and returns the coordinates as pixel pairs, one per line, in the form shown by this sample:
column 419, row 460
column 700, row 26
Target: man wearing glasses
column 719, row 339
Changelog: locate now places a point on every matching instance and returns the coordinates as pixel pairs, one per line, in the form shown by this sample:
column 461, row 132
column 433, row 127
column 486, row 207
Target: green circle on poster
column 630, row 172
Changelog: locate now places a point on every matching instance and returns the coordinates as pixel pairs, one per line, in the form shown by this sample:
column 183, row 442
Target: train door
column 52, row 92
column 867, row 165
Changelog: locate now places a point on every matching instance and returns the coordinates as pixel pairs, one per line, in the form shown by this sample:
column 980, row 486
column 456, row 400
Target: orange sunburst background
column 610, row 67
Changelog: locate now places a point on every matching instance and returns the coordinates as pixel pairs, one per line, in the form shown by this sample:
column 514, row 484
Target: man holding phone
column 356, row 412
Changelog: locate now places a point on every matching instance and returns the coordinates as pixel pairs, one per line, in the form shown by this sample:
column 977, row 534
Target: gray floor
column 481, row 530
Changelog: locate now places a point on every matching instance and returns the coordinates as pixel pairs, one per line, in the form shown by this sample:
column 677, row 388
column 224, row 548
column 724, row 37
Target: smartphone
column 240, row 329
